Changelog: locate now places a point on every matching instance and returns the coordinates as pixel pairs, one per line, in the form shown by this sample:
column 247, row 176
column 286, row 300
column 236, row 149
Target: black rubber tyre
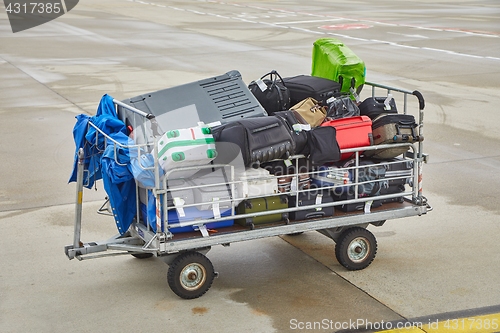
column 190, row 275
column 142, row 255
column 356, row 248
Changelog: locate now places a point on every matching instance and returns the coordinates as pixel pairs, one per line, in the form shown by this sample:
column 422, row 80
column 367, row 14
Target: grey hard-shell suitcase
column 222, row 98
column 393, row 128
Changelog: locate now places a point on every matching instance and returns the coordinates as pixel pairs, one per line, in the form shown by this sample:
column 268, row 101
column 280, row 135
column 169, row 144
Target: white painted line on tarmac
column 407, row 35
column 311, row 21
column 276, row 25
column 475, row 33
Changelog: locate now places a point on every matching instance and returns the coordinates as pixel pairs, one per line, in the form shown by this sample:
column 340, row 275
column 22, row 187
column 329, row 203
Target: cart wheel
column 190, row 275
column 356, row 248
column 142, row 255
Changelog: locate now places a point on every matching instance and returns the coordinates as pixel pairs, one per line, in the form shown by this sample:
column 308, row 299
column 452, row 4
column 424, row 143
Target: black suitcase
column 292, row 118
column 271, row 93
column 375, row 106
column 392, row 189
column 304, row 86
column 371, row 175
column 310, row 199
column 260, row 139
column 398, row 171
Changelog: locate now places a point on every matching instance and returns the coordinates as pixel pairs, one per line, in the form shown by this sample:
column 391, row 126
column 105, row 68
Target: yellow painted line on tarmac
column 478, row 324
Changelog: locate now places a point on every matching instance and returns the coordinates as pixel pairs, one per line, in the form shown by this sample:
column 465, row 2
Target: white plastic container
column 186, row 147
column 256, row 183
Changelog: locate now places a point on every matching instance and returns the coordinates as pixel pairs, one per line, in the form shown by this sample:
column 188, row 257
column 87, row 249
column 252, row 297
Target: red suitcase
column 352, row 132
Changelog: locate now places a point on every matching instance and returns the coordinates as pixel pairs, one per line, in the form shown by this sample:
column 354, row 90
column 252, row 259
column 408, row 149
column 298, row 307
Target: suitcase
column 304, row 86
column 263, row 204
column 271, row 92
column 297, row 126
column 256, row 182
column 352, row 132
column 192, row 214
column 371, row 180
column 375, row 106
column 182, row 214
column 292, row 175
column 310, row 199
column 260, row 139
column 393, row 128
column 336, row 179
column 331, row 59
column 399, row 171
column 213, row 191
column 292, row 183
column 179, row 189
column 186, row 147
column 222, row 98
column 392, row 189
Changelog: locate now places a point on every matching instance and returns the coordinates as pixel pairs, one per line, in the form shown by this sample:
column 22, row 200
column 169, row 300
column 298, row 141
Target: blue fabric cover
column 119, row 182
column 101, row 163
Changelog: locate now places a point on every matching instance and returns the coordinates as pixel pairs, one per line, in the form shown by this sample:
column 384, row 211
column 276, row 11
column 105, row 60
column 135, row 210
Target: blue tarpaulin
column 108, row 161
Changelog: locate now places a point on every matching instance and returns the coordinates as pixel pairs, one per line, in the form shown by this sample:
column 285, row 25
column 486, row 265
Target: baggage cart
column 191, row 273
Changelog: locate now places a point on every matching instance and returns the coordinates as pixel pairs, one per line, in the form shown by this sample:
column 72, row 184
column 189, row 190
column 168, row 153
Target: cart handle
column 421, row 101
column 149, row 116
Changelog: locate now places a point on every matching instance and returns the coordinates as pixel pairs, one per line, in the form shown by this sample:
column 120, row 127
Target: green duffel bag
column 331, row 59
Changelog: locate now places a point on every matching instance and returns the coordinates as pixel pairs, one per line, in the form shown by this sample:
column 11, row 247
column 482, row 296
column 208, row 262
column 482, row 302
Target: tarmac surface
column 440, row 266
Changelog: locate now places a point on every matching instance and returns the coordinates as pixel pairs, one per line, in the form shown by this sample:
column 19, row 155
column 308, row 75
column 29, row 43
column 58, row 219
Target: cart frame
column 191, row 273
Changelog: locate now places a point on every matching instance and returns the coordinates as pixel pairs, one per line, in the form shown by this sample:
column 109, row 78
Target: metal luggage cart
column 191, row 273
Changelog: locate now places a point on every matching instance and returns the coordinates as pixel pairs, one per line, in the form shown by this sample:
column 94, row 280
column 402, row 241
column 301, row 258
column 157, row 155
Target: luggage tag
column 216, row 208
column 213, row 124
column 262, row 86
column 178, row 203
column 301, row 127
column 319, row 201
column 293, row 184
column 368, row 206
column 331, row 99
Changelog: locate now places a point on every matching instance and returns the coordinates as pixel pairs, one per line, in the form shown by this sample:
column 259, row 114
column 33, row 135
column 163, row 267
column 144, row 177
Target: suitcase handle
column 276, row 75
column 315, row 214
column 407, row 138
column 282, row 103
column 414, row 137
